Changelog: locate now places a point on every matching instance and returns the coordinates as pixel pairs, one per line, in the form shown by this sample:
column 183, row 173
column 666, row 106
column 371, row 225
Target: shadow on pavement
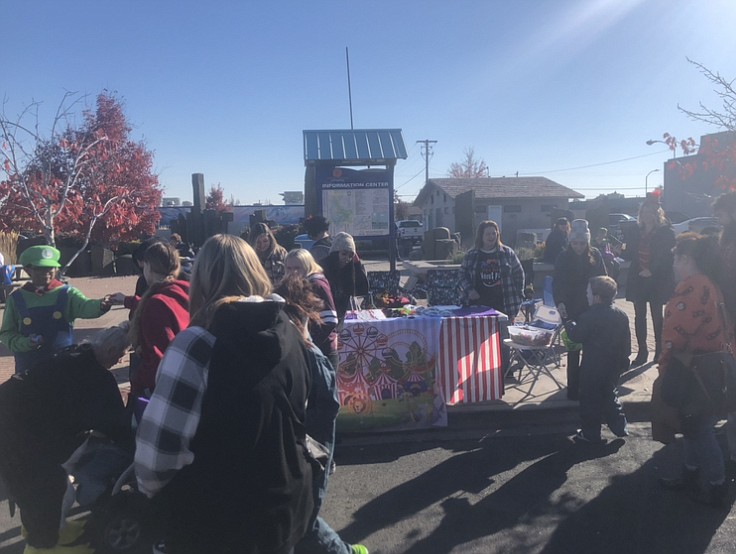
column 471, row 472
column 532, row 512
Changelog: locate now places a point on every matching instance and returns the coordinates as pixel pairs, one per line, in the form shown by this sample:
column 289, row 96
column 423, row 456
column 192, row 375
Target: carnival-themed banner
column 386, row 375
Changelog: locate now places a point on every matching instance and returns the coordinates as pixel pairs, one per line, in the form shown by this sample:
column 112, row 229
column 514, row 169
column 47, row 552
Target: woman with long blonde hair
column 222, row 443
column 323, row 330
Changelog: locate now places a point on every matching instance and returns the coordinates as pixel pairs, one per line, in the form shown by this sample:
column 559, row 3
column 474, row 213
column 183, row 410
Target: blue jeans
column 320, row 422
column 702, row 449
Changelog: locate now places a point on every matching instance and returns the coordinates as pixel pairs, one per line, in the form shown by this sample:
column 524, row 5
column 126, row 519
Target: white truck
column 409, row 231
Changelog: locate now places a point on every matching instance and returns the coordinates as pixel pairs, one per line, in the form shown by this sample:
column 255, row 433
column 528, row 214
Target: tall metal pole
column 426, row 143
column 350, row 92
column 646, row 186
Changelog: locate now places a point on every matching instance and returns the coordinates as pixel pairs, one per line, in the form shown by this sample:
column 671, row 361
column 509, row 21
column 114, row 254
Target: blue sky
column 564, row 89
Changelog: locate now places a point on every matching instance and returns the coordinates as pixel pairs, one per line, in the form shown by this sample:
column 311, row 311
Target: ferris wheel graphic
column 364, row 344
column 370, row 350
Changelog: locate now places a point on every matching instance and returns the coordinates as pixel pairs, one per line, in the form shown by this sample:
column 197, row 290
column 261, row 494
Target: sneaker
column 358, row 549
column 714, row 495
column 686, row 480
column 641, row 358
column 619, row 434
column 581, row 438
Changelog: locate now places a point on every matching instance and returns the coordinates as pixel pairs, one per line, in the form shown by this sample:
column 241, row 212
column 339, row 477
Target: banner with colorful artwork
column 386, row 375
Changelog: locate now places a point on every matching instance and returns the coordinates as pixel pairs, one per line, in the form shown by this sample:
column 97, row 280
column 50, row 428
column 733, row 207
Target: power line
column 594, row 165
column 410, row 179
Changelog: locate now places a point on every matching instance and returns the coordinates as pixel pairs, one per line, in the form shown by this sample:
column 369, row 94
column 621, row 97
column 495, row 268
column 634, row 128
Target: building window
column 547, row 208
column 512, row 209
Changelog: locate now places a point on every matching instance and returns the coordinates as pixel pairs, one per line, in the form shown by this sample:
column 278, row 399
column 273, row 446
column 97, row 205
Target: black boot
column 641, row 358
column 714, row 495
column 688, row 479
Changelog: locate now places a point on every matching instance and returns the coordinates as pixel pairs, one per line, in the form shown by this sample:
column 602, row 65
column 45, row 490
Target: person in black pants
column 573, row 269
column 651, row 279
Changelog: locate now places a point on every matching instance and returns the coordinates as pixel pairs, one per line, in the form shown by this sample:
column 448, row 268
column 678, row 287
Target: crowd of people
column 212, row 434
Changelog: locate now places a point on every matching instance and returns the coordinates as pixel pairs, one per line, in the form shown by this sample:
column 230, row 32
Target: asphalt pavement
column 502, row 477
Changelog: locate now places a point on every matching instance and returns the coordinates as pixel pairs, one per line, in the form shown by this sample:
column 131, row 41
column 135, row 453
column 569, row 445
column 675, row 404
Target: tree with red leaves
column 216, row 200
column 68, row 182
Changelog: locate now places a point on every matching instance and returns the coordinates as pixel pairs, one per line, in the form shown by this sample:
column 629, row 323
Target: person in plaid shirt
column 221, row 447
column 491, row 273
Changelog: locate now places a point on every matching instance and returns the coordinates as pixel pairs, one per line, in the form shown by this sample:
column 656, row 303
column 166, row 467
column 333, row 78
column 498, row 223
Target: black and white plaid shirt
column 173, row 413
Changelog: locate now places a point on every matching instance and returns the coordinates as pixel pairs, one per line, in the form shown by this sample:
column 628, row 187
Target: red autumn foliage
column 91, row 183
column 216, row 200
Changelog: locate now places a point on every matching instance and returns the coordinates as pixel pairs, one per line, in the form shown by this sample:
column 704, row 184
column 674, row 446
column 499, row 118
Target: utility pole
column 427, row 153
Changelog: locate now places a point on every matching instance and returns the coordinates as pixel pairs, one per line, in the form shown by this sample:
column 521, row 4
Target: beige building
column 515, row 203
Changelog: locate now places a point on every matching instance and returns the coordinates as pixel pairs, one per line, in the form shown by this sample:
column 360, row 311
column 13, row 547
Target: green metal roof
column 356, row 146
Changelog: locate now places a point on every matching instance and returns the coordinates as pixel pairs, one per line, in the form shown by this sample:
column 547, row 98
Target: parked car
column 303, row 241
column 614, row 220
column 614, row 224
column 410, row 230
column 702, row 225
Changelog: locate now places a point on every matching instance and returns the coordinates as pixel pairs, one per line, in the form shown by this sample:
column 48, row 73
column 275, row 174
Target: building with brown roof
column 515, row 203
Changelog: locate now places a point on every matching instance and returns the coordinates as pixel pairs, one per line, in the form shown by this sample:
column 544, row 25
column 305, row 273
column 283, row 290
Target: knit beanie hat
column 342, row 242
column 580, row 231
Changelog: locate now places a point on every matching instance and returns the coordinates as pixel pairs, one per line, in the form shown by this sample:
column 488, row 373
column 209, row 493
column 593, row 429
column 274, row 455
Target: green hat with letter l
column 40, row 256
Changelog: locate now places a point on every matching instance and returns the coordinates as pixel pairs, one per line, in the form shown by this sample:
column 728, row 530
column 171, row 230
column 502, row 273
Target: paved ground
column 441, row 495
column 523, row 395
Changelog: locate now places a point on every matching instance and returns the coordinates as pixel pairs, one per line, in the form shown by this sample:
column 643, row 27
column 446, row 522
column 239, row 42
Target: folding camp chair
column 535, row 346
column 384, row 282
column 441, row 286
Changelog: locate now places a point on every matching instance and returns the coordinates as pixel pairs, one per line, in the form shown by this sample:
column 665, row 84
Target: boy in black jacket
column 604, row 332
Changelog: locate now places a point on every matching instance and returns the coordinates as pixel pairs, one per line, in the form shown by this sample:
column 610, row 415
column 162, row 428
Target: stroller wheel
column 123, row 526
column 122, row 533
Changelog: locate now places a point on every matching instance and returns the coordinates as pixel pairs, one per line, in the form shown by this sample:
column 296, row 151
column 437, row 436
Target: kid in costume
column 39, row 317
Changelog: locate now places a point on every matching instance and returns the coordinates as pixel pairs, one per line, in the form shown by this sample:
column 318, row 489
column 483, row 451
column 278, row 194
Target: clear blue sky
column 564, row 89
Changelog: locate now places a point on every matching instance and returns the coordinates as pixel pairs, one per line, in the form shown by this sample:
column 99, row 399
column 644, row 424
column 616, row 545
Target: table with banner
column 401, row 373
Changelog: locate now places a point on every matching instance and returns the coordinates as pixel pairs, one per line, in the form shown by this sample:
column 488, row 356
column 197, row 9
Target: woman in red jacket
column 158, row 315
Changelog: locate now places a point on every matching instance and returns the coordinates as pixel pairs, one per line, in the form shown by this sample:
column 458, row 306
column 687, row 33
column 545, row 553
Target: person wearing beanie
column 345, row 273
column 557, row 240
column 651, row 278
column 573, row 269
column 38, row 320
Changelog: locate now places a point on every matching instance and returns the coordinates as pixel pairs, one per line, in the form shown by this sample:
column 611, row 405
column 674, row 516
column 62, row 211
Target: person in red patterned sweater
column 158, row 316
column 693, row 325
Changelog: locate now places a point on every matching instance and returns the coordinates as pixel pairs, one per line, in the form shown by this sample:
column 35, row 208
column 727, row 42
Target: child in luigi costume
column 39, row 317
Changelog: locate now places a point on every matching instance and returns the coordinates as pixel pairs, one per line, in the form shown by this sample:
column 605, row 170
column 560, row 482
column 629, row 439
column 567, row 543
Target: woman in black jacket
column 345, row 273
column 651, row 278
column 573, row 269
column 221, row 446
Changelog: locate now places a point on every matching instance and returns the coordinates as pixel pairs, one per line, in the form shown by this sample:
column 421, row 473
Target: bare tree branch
column 723, row 118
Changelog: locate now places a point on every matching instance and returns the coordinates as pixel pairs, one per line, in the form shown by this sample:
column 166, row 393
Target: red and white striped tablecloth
column 470, row 360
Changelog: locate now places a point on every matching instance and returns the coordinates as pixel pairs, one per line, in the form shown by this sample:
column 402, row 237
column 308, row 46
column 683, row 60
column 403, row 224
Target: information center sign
column 356, row 201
